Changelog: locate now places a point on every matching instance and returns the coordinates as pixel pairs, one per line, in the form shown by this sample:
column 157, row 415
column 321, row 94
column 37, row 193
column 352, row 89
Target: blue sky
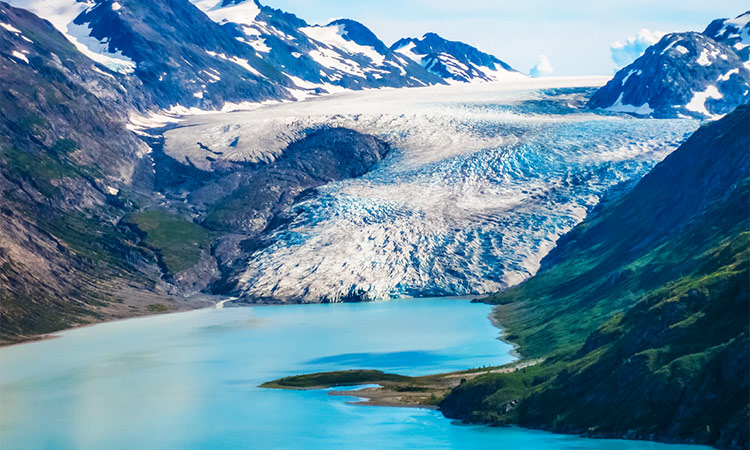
column 575, row 35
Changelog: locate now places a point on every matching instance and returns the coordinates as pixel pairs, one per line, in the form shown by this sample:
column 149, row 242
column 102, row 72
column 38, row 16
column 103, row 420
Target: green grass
column 178, row 242
column 40, row 169
column 331, row 379
column 157, row 308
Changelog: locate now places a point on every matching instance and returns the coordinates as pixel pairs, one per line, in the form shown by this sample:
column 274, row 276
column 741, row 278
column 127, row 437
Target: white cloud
column 634, row 46
column 542, row 68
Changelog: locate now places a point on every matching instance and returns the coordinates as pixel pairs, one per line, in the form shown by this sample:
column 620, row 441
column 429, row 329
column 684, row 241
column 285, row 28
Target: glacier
column 481, row 182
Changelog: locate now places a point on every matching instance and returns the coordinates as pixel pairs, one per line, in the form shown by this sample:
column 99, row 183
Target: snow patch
column 18, row 55
column 727, row 75
column 333, row 37
column 708, row 56
column 259, row 45
column 327, row 57
column 100, row 71
column 137, row 122
column 698, row 102
column 10, row 28
column 632, row 72
column 240, row 13
column 244, row 63
column 408, row 51
column 680, row 49
column 644, row 109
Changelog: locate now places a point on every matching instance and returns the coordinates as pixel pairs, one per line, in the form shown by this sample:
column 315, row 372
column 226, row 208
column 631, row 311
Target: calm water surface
column 189, row 381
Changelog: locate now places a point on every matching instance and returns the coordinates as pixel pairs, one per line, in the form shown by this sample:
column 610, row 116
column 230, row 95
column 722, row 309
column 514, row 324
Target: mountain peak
column 683, row 75
column 359, row 33
column 454, row 60
column 432, row 36
column 734, row 33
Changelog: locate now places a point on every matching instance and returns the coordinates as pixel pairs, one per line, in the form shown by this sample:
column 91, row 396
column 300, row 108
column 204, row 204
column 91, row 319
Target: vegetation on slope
column 641, row 312
column 177, row 241
column 64, row 149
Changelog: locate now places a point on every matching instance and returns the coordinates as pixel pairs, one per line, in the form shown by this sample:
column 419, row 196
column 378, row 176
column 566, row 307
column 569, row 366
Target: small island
column 393, row 390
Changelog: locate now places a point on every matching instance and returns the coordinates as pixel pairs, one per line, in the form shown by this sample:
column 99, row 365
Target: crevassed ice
column 475, row 192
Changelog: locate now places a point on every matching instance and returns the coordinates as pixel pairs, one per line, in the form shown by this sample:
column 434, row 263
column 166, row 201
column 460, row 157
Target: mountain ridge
column 210, row 53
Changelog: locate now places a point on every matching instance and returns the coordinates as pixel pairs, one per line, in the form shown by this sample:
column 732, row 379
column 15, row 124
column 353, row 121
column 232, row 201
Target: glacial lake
column 189, row 381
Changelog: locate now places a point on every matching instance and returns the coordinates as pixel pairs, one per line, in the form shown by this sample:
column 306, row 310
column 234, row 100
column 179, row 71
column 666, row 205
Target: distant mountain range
column 699, row 75
column 214, row 54
column 211, row 54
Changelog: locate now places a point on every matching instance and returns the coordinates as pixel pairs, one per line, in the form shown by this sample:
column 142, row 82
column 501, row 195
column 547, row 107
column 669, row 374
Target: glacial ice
column 479, row 186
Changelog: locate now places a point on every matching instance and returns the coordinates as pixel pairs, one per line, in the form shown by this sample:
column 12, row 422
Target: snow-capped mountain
column 181, row 56
column 734, row 33
column 684, row 75
column 454, row 61
column 212, row 54
column 342, row 54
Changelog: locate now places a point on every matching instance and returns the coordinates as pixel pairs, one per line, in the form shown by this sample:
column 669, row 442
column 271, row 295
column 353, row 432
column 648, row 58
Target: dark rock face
column 321, row 157
column 683, row 75
column 452, row 59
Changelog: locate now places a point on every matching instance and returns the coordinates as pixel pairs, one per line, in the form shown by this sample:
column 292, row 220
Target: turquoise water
column 189, row 381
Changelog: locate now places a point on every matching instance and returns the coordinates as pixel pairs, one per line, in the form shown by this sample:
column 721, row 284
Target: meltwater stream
column 480, row 184
column 189, row 381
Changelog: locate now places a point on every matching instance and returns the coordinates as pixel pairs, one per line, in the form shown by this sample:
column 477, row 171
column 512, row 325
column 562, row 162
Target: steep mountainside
column 454, row 61
column 640, row 311
column 65, row 152
column 683, row 75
